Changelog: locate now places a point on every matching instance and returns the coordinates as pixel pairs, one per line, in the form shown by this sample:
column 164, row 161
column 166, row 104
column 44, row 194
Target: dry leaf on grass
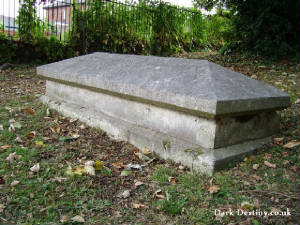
column 29, row 111
column 134, row 166
column 64, row 219
column 124, row 194
column 14, row 183
column 214, row 189
column 2, row 207
column 278, row 140
column 138, row 206
column 256, row 177
column 78, row 219
column 11, row 156
column 172, row 180
column 138, row 183
column 31, row 134
column 90, row 170
column 35, row 168
column 268, row 164
column 291, row 144
column 118, row 165
column 294, row 168
column 146, row 151
column 89, row 163
column 55, row 130
column 255, row 166
column 159, row 194
column 140, row 155
column 4, row 147
column 1, row 127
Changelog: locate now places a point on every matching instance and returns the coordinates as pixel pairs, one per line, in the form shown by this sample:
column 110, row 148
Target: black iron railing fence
column 54, row 17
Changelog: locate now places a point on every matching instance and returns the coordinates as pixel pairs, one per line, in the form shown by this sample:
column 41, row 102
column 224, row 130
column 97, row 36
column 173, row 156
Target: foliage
column 218, row 30
column 7, row 48
column 106, row 28
column 45, row 50
column 266, row 27
column 116, row 27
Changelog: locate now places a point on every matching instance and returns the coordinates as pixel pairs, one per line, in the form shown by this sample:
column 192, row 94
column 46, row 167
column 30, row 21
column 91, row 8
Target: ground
column 43, row 153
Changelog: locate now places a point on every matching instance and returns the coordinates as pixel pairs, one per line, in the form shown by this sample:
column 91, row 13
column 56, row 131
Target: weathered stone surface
column 191, row 111
column 190, row 84
column 205, row 132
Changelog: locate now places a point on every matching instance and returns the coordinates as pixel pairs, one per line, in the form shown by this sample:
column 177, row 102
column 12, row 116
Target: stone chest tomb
column 190, row 111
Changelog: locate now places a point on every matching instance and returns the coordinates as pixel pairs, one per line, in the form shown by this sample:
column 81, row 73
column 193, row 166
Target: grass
column 171, row 194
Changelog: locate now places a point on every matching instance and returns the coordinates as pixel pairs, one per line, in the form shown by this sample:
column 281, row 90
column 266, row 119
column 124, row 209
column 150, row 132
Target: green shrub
column 37, row 51
column 219, row 30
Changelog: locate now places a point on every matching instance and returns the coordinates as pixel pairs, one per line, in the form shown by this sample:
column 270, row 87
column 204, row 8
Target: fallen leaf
column 78, row 219
column 256, row 177
column 29, row 111
column 134, row 166
column 73, row 120
column 172, row 180
column 140, row 155
column 146, row 151
column 98, row 165
column 4, row 147
column 268, row 164
column 138, row 183
column 39, row 144
column 118, row 165
column 125, row 173
column 138, row 206
column 35, row 168
column 90, row 170
column 14, row 183
column 294, row 168
column 285, row 154
column 64, row 219
column 2, row 207
column 213, row 189
column 274, row 210
column 255, row 166
column 181, row 167
column 278, row 140
column 291, row 144
column 19, row 140
column 11, row 128
column 246, row 205
column 9, row 109
column 89, row 163
column 124, row 194
column 55, row 130
column 82, row 126
column 159, row 194
column 1, row 127
column 11, row 157
column 79, row 170
column 267, row 156
column 31, row 134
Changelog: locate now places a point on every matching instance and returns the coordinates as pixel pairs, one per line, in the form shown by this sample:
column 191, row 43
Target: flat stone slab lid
column 190, row 84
